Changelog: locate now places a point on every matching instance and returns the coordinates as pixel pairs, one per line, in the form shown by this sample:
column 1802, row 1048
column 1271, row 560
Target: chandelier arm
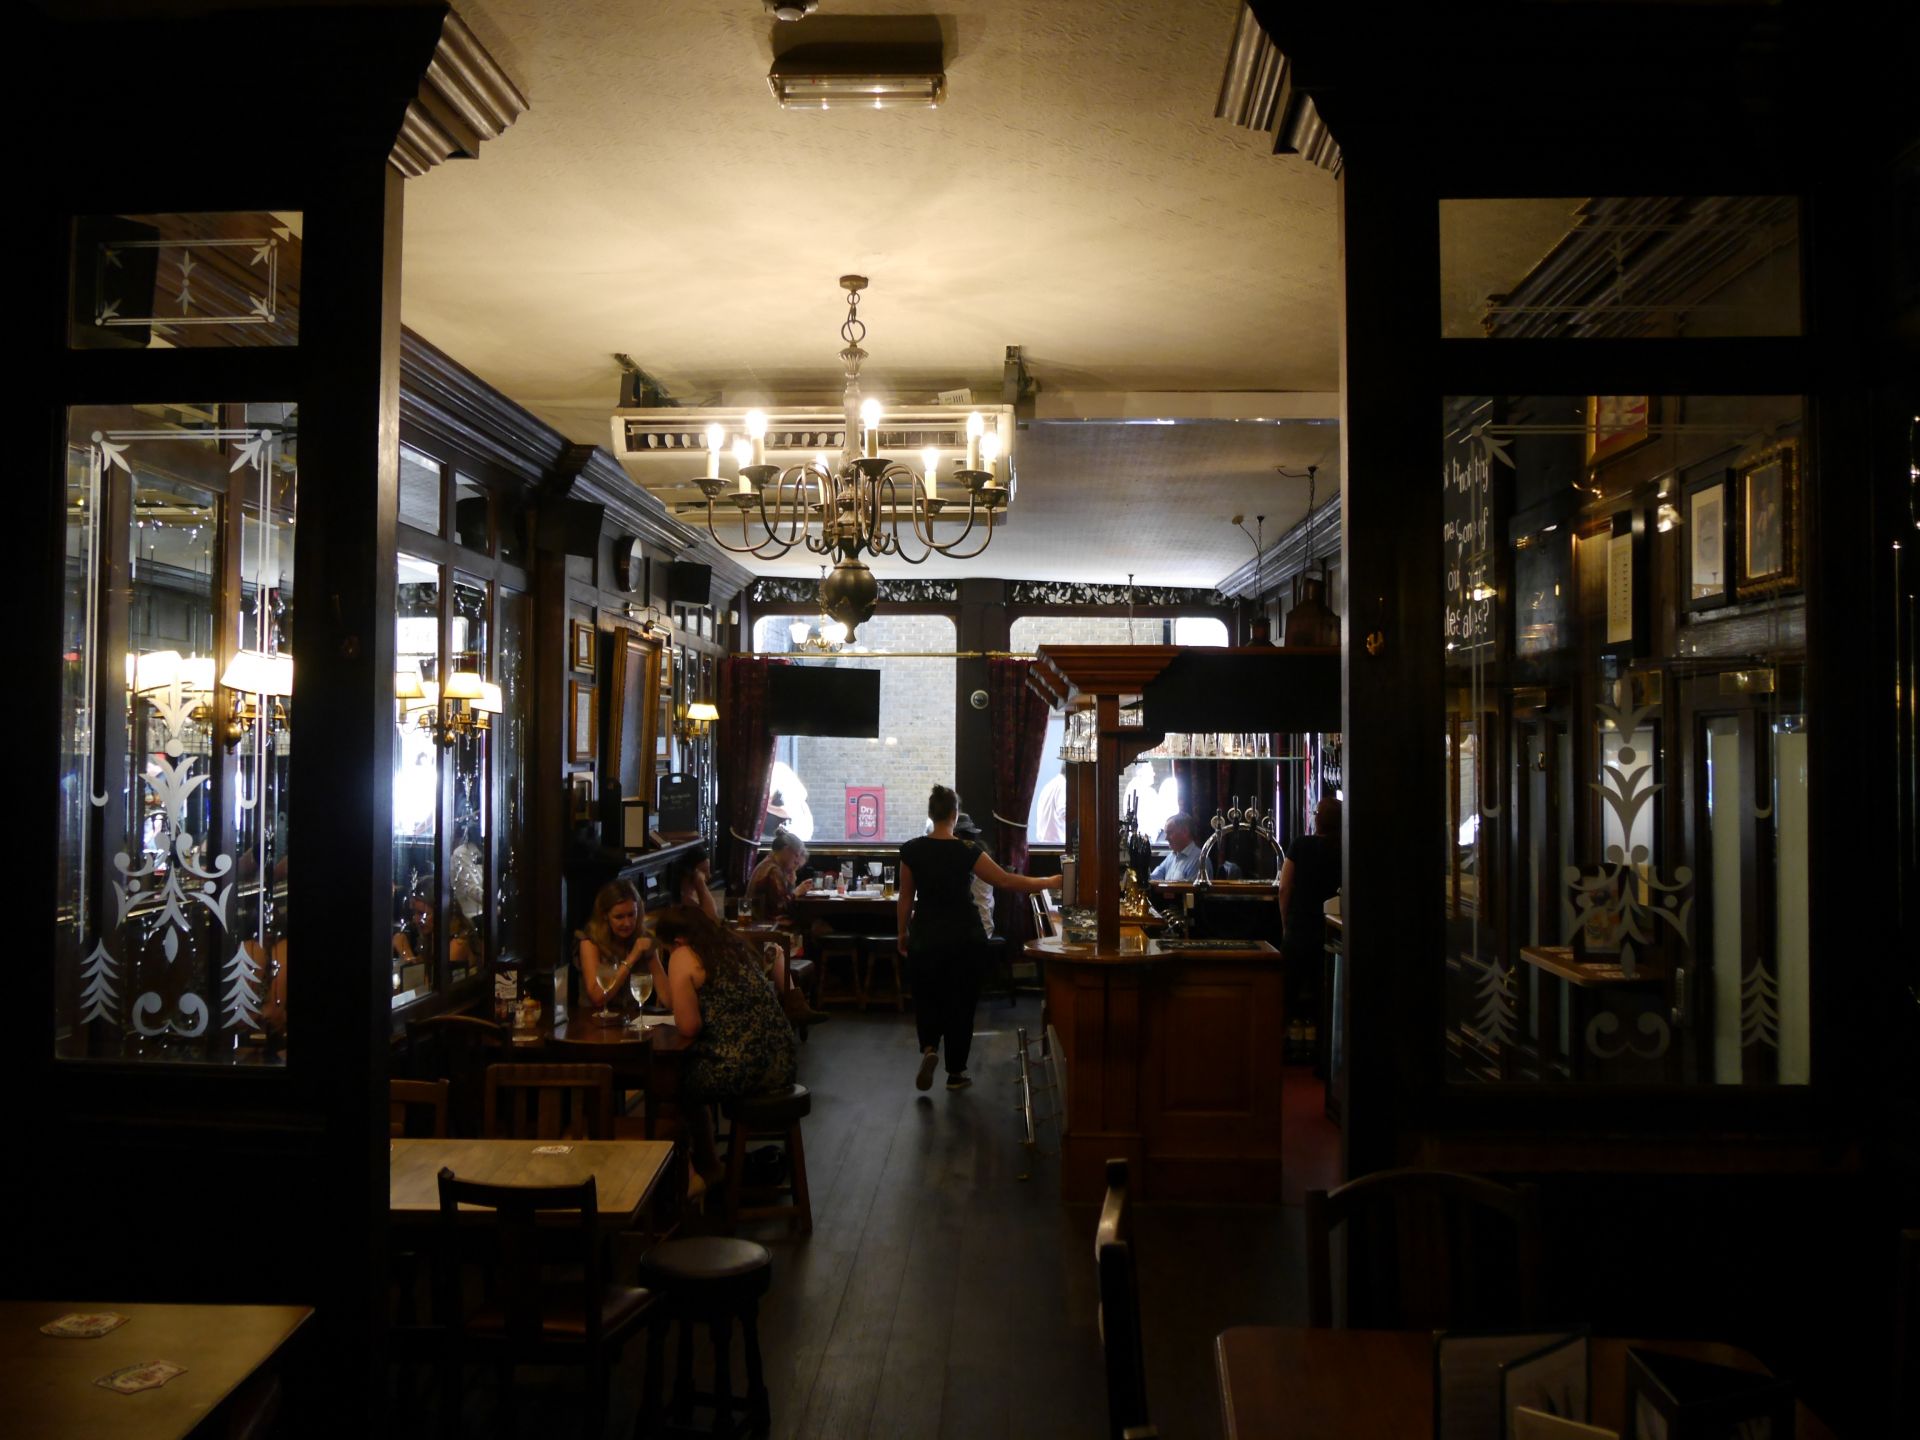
column 754, row 550
column 985, row 540
column 780, row 517
column 974, row 509
column 770, row 546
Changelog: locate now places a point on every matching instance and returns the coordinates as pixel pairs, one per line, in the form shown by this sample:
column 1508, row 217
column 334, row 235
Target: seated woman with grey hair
column 771, row 887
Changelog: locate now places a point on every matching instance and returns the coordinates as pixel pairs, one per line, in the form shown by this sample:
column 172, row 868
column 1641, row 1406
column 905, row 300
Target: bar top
column 1152, row 952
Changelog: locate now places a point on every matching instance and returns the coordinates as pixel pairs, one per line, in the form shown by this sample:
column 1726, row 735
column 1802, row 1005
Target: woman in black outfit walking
column 941, row 937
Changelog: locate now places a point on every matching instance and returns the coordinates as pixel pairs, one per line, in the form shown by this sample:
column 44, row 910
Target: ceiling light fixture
column 854, row 505
column 873, row 77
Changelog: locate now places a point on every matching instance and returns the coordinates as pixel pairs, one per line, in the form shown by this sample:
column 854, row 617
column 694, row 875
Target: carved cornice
column 775, row 590
column 464, row 415
column 465, row 98
column 1070, row 592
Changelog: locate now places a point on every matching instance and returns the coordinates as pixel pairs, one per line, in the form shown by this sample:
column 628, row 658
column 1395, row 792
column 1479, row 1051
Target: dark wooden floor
column 946, row 1290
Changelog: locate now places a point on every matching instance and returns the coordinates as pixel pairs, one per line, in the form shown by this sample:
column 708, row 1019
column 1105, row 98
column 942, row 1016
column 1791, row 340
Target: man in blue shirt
column 1183, row 856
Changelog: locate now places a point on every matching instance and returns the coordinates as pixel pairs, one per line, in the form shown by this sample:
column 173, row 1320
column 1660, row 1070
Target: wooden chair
column 1120, row 1315
column 549, row 1102
column 407, row 1098
column 457, row 1049
column 1426, row 1250
column 830, row 946
column 629, row 1062
column 546, row 1300
column 878, row 952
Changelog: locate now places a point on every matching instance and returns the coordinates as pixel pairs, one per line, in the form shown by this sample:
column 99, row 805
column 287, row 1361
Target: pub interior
column 667, row 486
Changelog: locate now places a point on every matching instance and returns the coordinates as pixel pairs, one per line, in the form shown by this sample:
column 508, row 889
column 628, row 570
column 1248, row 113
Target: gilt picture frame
column 583, row 645
column 1616, row 424
column 582, row 724
column 1767, row 486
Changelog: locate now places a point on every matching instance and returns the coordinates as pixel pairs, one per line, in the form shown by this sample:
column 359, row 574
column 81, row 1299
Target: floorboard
column 947, row 1292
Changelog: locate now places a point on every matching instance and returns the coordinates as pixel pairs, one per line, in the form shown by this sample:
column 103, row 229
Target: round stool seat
column 704, row 1258
column 772, row 1109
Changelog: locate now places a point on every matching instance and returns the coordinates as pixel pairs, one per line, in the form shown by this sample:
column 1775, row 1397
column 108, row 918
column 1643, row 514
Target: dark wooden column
column 1390, row 553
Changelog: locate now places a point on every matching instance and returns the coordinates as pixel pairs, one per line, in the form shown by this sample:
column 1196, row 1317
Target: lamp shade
column 406, row 684
column 702, row 710
column 489, row 699
column 464, row 685
column 154, row 670
column 258, row 673
column 196, row 674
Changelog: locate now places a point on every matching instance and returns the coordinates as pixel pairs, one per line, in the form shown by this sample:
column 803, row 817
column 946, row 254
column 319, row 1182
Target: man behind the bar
column 1183, row 855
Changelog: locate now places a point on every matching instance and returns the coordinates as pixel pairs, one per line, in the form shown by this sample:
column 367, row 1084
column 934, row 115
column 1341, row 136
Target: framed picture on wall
column 1768, row 491
column 581, row 732
column 583, row 645
column 1709, row 547
column 1616, row 424
column 580, row 798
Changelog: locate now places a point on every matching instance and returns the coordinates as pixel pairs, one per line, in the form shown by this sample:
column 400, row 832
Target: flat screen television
column 689, row 584
column 822, row 700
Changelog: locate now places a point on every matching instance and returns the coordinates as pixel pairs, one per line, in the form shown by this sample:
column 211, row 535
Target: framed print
column 1616, row 424
column 583, row 645
column 663, row 731
column 1768, row 490
column 581, row 733
column 580, row 798
column 666, row 668
column 1708, row 551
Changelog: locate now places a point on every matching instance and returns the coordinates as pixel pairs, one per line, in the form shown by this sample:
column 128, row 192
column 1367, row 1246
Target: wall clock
column 629, row 564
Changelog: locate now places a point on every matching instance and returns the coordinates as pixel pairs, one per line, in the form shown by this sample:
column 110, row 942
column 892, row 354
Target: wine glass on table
column 640, row 983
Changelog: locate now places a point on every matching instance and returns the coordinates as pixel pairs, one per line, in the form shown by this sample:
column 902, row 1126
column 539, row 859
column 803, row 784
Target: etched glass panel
column 470, row 816
column 419, row 490
column 512, row 904
column 470, row 526
column 418, row 679
column 165, row 282
column 1620, row 267
column 177, row 717
column 1659, row 932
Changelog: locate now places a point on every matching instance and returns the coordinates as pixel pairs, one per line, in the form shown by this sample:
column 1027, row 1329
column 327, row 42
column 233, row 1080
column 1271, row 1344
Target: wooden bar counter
column 1172, row 1060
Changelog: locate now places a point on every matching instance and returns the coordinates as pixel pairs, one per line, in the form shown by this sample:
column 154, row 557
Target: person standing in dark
column 941, row 935
column 1309, row 878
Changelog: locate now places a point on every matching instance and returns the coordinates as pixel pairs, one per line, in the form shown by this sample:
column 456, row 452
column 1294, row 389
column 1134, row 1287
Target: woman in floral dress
column 723, row 1001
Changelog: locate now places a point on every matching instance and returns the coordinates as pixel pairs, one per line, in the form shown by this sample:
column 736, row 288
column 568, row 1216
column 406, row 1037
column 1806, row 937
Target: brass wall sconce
column 258, row 682
column 466, row 706
column 698, row 718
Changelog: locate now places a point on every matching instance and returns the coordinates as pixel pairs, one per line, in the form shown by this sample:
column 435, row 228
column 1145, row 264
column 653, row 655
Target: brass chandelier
column 853, row 506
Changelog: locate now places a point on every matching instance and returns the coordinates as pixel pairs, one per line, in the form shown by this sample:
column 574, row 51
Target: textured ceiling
column 1074, row 195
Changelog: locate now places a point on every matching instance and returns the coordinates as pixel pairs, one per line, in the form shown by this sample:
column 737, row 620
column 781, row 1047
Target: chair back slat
column 533, row 1227
column 1425, row 1249
column 549, row 1102
column 417, row 1107
column 1119, row 1315
column 456, row 1048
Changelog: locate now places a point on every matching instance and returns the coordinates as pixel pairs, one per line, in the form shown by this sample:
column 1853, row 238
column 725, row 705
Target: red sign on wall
column 866, row 812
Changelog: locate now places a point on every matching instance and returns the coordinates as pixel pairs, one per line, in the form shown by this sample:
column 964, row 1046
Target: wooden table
column 46, row 1384
column 868, row 905
column 625, row 1172
column 1305, row 1384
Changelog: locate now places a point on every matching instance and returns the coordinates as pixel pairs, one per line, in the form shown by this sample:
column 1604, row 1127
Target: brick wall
column 915, row 750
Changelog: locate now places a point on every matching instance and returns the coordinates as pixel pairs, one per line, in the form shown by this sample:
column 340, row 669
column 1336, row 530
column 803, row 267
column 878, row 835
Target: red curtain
column 746, row 760
column 1017, row 716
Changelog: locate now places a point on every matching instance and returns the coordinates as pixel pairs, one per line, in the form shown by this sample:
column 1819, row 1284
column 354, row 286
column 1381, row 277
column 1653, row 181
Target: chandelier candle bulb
column 990, row 452
column 743, row 457
column 870, row 419
column 757, row 432
column 930, row 461
column 716, row 441
column 976, row 427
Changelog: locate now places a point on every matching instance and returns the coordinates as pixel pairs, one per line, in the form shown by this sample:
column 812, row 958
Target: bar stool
column 830, row 946
column 713, row 1281
column 881, row 951
column 775, row 1115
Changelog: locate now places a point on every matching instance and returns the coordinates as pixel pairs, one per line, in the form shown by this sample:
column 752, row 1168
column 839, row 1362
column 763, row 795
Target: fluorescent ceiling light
column 874, row 77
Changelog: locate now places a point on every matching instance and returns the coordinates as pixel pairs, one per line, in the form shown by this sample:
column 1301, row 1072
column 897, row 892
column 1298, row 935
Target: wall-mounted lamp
column 698, row 718
column 259, row 682
column 464, row 707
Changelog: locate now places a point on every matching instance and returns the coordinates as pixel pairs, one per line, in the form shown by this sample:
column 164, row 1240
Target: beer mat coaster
column 88, row 1325
column 131, row 1378
column 531, row 1037
column 553, row 1149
